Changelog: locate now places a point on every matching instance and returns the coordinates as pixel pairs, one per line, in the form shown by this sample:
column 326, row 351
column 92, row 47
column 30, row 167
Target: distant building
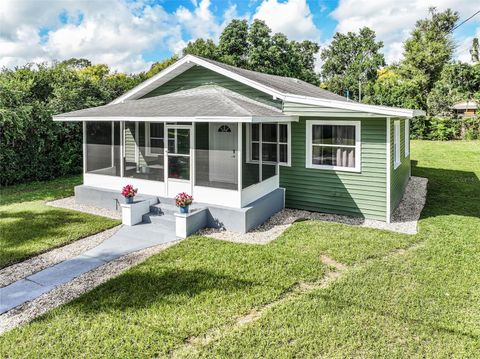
column 467, row 108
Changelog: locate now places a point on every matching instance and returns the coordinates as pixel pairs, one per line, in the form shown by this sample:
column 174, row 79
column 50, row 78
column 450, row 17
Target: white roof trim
column 354, row 106
column 189, row 60
column 228, row 119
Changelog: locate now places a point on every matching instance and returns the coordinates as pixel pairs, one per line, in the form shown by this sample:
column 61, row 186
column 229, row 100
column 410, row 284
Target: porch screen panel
column 103, row 148
column 269, row 150
column 144, row 150
column 216, row 151
column 250, row 170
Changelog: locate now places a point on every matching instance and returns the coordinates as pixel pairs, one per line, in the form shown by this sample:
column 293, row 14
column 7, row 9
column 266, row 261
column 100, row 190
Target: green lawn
column 29, row 227
column 421, row 302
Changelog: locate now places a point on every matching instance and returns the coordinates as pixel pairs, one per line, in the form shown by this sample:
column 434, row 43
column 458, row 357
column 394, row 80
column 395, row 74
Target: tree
column 233, row 43
column 349, row 59
column 475, row 51
column 202, row 48
column 160, row 66
column 457, row 82
column 429, row 48
column 255, row 48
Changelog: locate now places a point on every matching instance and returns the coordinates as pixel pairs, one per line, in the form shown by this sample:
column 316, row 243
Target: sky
column 130, row 35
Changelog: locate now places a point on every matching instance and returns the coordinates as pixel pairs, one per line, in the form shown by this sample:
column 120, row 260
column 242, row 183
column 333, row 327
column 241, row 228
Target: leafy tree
column 458, row 82
column 255, row 48
column 475, row 51
column 160, row 66
column 428, row 49
column 351, row 58
column 202, row 48
column 234, row 44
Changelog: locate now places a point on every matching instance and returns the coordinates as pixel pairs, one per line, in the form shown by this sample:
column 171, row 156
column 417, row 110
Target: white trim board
column 189, row 61
column 226, row 119
column 389, row 171
column 358, row 145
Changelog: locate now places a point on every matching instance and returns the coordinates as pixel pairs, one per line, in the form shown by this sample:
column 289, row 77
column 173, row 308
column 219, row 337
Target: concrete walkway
column 124, row 241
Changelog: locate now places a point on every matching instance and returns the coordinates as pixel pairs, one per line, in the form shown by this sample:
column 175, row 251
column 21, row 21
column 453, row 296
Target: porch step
column 163, row 220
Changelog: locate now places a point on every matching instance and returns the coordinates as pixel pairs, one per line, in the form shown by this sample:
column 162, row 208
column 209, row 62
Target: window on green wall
column 333, row 145
column 396, row 143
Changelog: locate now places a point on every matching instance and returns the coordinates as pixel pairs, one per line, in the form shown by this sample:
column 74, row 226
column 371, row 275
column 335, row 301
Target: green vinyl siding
column 199, row 76
column 399, row 176
column 358, row 194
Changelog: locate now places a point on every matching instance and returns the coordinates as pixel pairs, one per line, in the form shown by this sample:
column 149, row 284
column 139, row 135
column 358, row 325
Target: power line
column 464, row 21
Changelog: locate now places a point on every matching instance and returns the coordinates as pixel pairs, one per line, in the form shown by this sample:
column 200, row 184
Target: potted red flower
column 129, row 192
column 183, row 201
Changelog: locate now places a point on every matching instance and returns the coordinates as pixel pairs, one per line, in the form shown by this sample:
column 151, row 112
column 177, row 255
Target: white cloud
column 293, row 18
column 392, row 20
column 115, row 32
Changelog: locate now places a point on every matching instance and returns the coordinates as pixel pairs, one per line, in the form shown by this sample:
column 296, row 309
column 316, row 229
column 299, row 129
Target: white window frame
column 396, row 144
column 407, row 137
column 278, row 143
column 357, row 146
column 148, row 144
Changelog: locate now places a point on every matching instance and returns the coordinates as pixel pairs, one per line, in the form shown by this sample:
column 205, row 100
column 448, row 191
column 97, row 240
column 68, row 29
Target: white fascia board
column 227, row 119
column 187, row 62
column 354, row 106
column 184, row 62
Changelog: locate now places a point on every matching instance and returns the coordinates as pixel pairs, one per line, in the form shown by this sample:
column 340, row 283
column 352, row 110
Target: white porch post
column 122, row 149
column 240, row 156
column 260, row 154
column 84, row 146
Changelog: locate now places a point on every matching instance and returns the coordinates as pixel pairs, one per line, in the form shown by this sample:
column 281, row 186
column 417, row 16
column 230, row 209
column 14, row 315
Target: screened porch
column 222, row 163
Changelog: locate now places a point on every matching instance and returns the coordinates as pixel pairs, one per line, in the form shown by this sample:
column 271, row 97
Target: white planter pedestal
column 188, row 223
column 132, row 213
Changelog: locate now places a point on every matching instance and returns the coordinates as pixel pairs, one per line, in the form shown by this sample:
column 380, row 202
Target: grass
column 421, row 302
column 29, row 227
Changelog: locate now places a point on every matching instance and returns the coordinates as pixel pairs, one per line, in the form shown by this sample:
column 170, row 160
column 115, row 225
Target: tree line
column 33, row 147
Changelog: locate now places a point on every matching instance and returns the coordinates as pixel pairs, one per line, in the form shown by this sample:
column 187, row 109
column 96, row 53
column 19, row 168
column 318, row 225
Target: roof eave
column 355, row 106
column 228, row 119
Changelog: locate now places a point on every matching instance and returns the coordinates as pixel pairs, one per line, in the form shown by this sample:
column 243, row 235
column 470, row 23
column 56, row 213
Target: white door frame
column 173, row 186
column 212, row 133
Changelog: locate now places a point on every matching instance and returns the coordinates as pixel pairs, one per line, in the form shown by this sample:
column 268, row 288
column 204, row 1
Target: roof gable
column 283, row 88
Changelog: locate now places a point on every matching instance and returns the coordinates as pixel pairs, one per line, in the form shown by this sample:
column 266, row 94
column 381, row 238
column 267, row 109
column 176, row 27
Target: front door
column 179, row 163
column 223, row 153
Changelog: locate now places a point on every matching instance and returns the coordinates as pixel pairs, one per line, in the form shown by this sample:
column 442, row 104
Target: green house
column 246, row 144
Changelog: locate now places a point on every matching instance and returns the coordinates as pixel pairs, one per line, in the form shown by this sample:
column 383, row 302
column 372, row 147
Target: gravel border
column 35, row 264
column 69, row 203
column 404, row 219
column 73, row 289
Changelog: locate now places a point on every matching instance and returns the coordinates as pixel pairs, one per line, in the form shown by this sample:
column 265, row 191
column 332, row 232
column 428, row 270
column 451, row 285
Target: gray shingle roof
column 288, row 85
column 199, row 102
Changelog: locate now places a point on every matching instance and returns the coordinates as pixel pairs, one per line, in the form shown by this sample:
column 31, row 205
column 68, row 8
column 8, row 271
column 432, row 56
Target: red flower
column 183, row 200
column 129, row 191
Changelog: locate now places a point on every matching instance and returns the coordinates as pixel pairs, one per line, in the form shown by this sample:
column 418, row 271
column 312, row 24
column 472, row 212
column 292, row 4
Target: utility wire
column 464, row 21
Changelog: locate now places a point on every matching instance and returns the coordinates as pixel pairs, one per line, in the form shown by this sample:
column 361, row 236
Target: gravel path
column 23, row 269
column 69, row 203
column 73, row 289
column 404, row 218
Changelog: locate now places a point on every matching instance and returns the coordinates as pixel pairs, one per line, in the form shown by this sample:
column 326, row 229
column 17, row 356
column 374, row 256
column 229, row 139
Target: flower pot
column 128, row 200
column 184, row 209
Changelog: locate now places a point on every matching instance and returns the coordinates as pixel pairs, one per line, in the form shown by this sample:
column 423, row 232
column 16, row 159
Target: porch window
column 273, row 139
column 407, row 137
column 154, row 134
column 333, row 145
column 143, row 151
column 396, row 143
column 102, row 147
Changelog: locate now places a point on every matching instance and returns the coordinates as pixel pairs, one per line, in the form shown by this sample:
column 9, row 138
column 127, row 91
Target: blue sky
column 129, row 35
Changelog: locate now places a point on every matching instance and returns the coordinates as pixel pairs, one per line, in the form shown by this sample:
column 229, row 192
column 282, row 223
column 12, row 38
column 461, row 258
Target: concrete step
column 164, row 220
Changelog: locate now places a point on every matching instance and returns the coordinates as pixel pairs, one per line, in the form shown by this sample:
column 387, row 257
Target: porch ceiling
column 202, row 104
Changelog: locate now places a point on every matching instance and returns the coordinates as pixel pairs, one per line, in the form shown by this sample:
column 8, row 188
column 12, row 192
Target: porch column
column 240, row 155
